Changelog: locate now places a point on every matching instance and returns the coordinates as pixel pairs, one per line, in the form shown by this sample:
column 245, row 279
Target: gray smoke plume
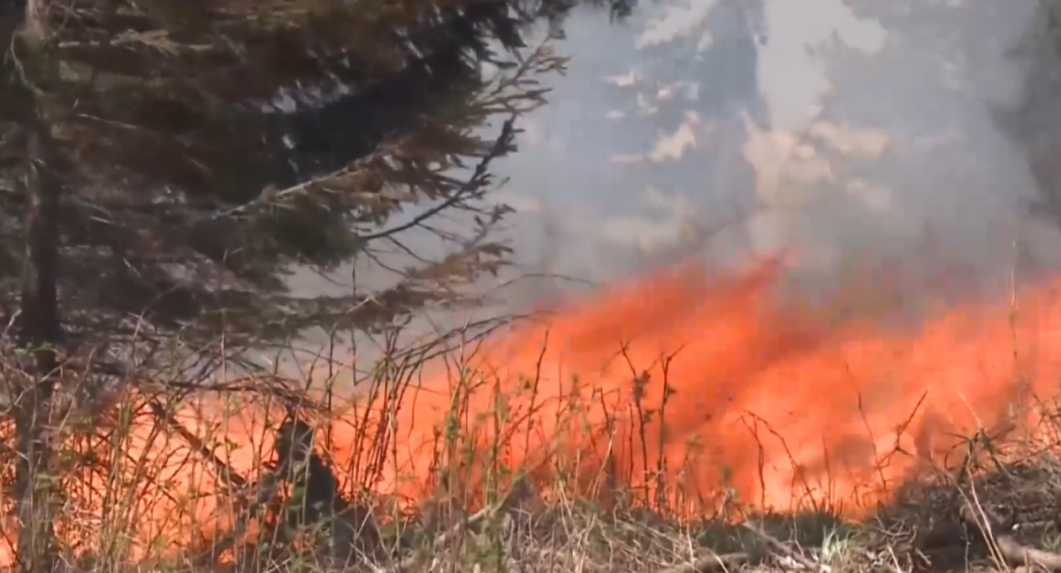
column 949, row 189
column 908, row 143
column 908, row 139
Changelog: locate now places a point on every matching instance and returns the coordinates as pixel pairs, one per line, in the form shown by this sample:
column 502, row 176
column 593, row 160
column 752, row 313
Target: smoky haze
column 905, row 161
column 858, row 134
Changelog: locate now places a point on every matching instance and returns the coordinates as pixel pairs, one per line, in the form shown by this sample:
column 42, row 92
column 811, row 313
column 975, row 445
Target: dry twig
column 784, row 550
column 713, row 562
column 501, row 506
column 1011, row 549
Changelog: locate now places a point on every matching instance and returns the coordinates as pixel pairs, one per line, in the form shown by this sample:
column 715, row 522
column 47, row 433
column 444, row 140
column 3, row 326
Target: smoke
column 904, row 160
column 864, row 137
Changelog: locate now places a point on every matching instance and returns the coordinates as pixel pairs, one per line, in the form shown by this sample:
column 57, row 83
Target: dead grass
column 146, row 486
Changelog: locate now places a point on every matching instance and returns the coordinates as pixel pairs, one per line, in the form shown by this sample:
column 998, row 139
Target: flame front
column 709, row 389
column 693, row 390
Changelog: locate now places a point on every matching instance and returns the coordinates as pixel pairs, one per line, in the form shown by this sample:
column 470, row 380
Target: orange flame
column 708, row 387
column 689, row 389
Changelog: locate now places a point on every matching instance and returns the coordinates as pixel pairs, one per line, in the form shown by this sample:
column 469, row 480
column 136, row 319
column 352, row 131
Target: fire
column 707, row 388
column 688, row 389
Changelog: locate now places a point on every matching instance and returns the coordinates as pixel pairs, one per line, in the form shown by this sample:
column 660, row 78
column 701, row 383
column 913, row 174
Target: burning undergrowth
column 679, row 421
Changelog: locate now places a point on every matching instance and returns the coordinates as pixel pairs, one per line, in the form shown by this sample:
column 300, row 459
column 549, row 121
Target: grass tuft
column 186, row 475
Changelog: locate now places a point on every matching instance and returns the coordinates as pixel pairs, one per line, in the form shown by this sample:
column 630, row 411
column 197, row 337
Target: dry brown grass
column 147, row 487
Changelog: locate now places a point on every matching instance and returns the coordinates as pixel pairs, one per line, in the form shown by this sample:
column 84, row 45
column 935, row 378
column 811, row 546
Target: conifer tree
column 166, row 164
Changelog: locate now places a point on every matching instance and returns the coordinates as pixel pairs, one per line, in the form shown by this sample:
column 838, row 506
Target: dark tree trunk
column 39, row 332
column 39, row 326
